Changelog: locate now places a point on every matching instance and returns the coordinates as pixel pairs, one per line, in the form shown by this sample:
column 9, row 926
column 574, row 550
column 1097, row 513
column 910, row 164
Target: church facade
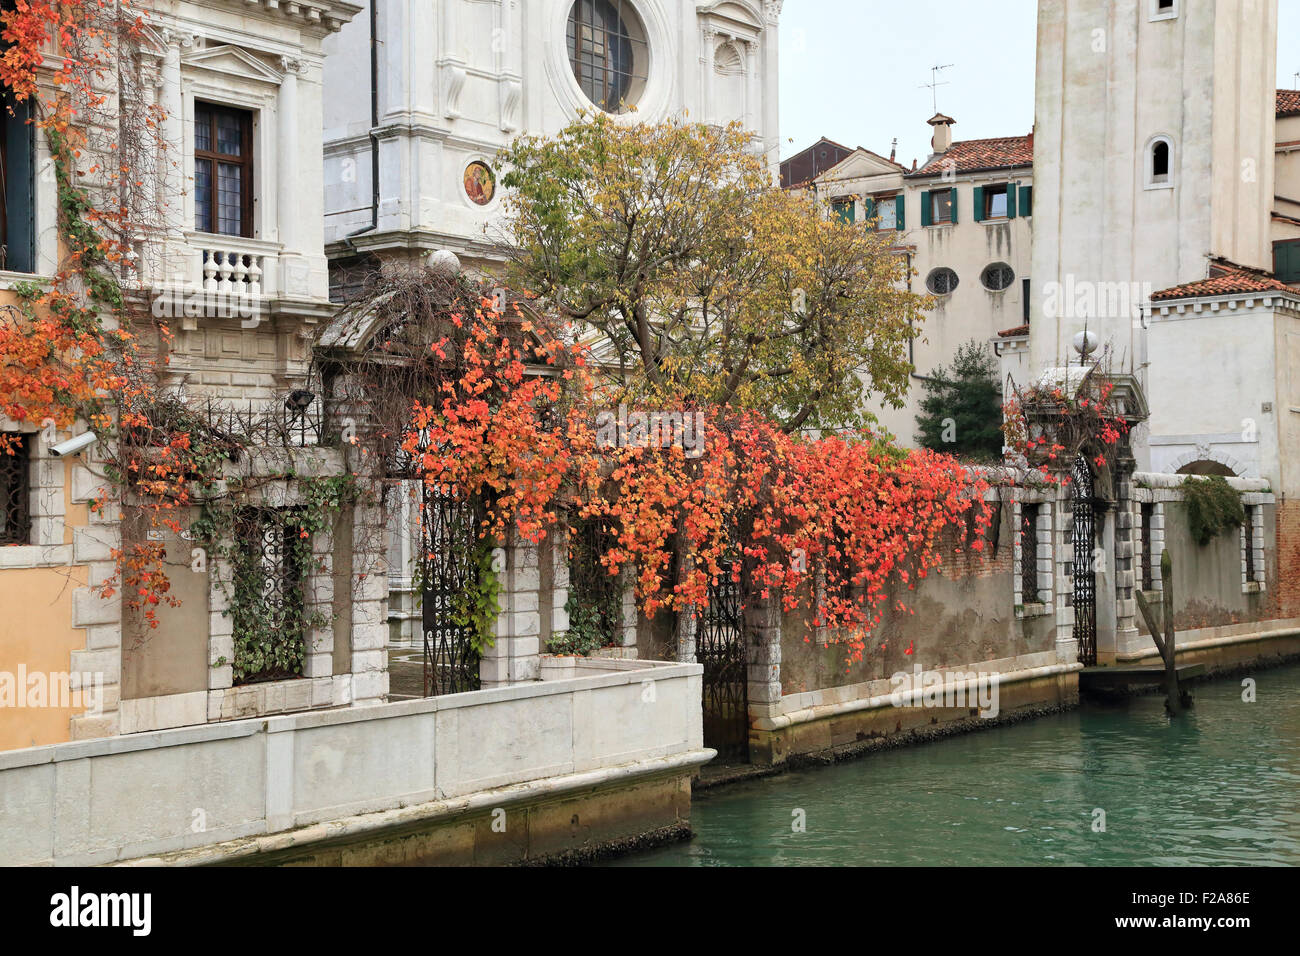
column 420, row 96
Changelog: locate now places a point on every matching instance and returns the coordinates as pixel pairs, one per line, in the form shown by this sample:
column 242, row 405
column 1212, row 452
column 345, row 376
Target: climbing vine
column 1213, row 507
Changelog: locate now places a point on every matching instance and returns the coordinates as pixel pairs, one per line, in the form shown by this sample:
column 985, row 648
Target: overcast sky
column 853, row 70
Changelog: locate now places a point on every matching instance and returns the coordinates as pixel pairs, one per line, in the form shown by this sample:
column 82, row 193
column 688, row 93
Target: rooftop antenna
column 935, row 83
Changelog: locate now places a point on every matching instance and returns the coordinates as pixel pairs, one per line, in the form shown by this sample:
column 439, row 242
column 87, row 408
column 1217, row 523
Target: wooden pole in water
column 1175, row 701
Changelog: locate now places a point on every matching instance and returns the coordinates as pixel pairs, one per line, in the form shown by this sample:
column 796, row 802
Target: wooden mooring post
column 1176, row 700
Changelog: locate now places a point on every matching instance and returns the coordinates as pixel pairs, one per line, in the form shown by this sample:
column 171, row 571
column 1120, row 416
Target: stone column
column 763, row 670
column 293, row 270
column 515, row 656
column 369, row 604
column 710, row 39
column 1067, row 648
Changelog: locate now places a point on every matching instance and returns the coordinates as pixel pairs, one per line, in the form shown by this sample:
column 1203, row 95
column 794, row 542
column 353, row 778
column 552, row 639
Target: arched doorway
column 1084, row 573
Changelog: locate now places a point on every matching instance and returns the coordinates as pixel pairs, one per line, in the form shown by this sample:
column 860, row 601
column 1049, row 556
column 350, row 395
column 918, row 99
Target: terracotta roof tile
column 1013, row 333
column 1226, row 282
column 971, row 155
column 1288, row 102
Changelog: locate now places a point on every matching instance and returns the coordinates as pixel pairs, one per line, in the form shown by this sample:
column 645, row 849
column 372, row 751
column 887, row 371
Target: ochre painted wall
column 36, row 631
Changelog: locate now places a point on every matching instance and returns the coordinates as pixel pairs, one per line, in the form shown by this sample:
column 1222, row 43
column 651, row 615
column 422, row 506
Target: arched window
column 1160, row 162
column 608, row 52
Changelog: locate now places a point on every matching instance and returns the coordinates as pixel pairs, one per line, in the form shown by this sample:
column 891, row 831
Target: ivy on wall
column 269, row 552
column 1213, row 507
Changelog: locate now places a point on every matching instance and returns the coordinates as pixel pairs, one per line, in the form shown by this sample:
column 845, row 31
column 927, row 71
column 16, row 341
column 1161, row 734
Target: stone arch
column 1208, row 461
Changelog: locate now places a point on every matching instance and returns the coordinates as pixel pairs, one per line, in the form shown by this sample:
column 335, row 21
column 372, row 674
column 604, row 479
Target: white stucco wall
column 460, row 79
column 1111, row 77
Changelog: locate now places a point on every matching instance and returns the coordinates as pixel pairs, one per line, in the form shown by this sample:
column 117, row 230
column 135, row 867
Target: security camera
column 73, row 445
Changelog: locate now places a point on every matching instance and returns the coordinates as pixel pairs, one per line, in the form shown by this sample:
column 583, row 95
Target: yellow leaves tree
column 701, row 282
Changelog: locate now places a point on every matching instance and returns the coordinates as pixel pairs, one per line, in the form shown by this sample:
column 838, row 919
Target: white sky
column 851, row 70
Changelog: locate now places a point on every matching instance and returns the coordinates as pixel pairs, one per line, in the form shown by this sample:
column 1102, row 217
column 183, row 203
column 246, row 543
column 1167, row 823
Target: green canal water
column 1219, row 786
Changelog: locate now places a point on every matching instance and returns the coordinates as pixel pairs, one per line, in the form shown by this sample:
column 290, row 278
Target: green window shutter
column 954, row 205
column 1026, row 200
column 927, row 213
column 898, row 210
column 869, row 208
column 979, row 204
column 1011, row 201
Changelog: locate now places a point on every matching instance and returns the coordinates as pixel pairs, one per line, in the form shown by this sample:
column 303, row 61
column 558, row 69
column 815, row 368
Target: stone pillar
column 1067, row 648
column 627, row 585
column 763, row 670
column 369, row 605
column 1127, row 545
column 515, row 656
column 293, row 270
column 559, row 582
column 709, row 37
column 763, row 655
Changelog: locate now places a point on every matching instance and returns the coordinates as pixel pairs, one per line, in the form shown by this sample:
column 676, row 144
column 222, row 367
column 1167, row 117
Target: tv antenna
column 935, row 83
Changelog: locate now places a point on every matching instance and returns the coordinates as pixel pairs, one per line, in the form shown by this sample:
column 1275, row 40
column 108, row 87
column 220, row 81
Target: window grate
column 1144, row 551
column 15, row 490
column 1029, row 553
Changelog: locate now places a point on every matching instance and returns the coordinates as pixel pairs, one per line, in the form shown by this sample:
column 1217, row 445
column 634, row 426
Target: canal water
column 1219, row 786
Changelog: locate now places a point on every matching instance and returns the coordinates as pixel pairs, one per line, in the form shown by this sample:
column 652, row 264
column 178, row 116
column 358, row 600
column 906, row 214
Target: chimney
column 1031, row 142
column 893, row 148
column 942, row 138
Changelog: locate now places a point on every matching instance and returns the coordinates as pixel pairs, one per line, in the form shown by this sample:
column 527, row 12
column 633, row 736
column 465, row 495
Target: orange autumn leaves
column 848, row 513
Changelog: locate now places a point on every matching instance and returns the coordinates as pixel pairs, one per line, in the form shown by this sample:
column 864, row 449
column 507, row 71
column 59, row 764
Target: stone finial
column 445, row 262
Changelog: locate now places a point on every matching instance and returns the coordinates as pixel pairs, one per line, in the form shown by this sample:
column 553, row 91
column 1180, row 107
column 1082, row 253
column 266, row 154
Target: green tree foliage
column 961, row 413
column 698, row 280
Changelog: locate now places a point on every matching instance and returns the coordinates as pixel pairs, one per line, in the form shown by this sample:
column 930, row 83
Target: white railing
column 237, row 273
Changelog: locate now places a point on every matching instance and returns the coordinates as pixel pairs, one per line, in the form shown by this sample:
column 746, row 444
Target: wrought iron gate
column 720, row 647
column 1085, row 576
column 448, row 570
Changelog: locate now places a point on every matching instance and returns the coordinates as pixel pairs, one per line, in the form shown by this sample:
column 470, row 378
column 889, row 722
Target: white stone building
column 412, row 135
column 1155, row 169
column 964, row 221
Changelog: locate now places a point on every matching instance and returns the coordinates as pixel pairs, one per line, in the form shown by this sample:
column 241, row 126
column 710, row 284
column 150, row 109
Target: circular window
column 941, row 281
column 997, row 277
column 608, row 52
column 480, row 183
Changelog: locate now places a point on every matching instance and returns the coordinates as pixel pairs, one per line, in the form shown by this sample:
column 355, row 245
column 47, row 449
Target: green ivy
column 270, row 634
column 475, row 608
column 1213, row 507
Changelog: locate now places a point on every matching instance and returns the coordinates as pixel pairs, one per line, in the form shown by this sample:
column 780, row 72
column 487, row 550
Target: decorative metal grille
column 720, row 647
column 1248, row 532
column 599, row 592
column 1144, row 551
column 269, row 566
column 1029, row 553
column 15, row 491
column 448, row 570
column 1085, row 578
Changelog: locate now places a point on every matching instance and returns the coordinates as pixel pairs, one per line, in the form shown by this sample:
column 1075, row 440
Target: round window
column 997, row 277
column 941, row 281
column 608, row 52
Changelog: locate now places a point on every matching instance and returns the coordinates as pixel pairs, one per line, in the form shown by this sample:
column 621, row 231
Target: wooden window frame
column 245, row 162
